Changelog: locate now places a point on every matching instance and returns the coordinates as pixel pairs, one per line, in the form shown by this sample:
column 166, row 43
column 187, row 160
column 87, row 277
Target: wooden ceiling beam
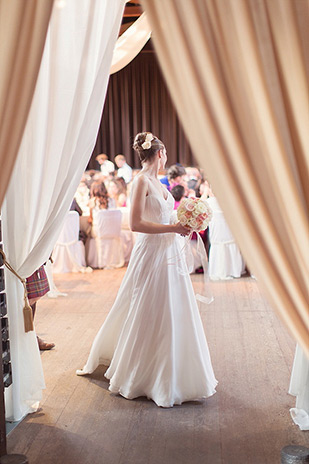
column 132, row 11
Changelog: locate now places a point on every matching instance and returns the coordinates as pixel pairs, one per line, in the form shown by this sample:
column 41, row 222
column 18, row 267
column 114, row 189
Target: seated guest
column 106, row 166
column 117, row 192
column 193, row 179
column 98, row 200
column 205, row 190
column 82, row 196
column 176, row 175
column 90, row 176
column 178, row 192
column 124, row 170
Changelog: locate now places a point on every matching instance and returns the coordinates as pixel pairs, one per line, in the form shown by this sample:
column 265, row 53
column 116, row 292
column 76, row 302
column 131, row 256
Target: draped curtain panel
column 23, row 28
column 138, row 100
column 58, row 140
column 130, row 43
column 237, row 75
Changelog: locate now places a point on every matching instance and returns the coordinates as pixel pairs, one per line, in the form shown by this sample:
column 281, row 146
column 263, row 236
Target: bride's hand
column 179, row 229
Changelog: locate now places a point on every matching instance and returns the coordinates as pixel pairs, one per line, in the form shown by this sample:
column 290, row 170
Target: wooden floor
column 80, row 422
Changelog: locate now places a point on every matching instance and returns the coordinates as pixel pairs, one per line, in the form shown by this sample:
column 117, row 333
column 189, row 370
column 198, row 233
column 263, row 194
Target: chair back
column 125, row 221
column 219, row 231
column 69, row 252
column 107, row 223
column 70, row 229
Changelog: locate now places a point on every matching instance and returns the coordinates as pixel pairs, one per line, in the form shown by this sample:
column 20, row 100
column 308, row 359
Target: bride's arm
column 138, row 203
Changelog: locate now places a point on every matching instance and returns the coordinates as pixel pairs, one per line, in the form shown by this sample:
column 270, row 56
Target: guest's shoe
column 44, row 346
column 199, row 270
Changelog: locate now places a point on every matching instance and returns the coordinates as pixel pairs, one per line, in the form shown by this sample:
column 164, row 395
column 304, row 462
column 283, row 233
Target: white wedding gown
column 153, row 339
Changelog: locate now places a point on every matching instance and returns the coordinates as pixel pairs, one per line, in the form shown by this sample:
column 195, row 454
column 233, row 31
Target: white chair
column 106, row 249
column 69, row 252
column 225, row 259
column 125, row 218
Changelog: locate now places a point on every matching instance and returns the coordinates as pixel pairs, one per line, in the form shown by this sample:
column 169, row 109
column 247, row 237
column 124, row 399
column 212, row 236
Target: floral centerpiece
column 194, row 213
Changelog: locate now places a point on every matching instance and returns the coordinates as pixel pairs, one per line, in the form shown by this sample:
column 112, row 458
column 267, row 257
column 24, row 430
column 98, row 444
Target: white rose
column 201, row 207
column 190, row 205
column 195, row 213
column 146, row 145
column 181, row 209
column 149, row 137
column 193, row 223
column 183, row 220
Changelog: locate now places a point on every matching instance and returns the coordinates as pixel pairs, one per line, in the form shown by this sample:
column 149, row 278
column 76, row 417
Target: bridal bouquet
column 194, row 213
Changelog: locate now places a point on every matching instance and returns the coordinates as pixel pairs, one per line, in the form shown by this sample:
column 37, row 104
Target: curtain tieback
column 27, row 310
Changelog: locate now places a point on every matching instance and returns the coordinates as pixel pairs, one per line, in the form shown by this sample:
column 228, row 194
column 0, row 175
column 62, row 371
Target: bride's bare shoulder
column 141, row 180
column 140, row 177
column 140, row 183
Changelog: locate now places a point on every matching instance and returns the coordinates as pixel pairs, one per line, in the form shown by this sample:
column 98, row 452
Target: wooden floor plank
column 81, row 422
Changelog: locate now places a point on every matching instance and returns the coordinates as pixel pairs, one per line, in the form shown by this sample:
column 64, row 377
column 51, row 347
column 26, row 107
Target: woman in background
column 117, row 192
column 98, row 199
column 178, row 192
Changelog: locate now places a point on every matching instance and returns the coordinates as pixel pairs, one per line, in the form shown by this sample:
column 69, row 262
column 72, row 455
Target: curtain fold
column 57, row 142
column 23, row 28
column 130, row 43
column 236, row 72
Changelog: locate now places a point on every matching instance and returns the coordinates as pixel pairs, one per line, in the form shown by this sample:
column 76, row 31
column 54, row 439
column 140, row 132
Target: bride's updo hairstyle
column 146, row 145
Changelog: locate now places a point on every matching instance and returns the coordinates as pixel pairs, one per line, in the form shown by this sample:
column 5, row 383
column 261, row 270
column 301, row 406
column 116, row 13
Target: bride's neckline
column 153, row 187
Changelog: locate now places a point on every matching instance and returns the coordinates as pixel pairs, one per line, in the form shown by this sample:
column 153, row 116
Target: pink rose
column 190, row 205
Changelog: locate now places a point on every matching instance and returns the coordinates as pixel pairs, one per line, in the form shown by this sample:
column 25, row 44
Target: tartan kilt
column 37, row 284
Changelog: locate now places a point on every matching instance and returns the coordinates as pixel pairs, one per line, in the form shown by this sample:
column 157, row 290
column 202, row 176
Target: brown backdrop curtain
column 137, row 100
column 236, row 71
column 23, row 27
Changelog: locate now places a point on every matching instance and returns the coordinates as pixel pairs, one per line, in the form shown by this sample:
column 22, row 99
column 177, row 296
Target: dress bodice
column 159, row 205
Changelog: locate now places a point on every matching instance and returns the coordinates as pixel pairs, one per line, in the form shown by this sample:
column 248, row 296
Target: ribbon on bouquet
column 206, row 296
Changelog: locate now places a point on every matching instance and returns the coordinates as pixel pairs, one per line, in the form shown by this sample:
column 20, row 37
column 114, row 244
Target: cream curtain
column 130, row 43
column 236, row 71
column 23, row 27
column 56, row 145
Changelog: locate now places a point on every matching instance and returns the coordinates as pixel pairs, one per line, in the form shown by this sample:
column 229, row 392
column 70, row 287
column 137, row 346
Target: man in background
column 106, row 166
column 124, row 170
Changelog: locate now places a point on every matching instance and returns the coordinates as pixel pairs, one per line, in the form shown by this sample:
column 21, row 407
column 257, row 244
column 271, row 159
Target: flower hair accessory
column 147, row 144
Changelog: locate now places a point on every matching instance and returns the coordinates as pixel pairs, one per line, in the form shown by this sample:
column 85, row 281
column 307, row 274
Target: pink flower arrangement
column 194, row 213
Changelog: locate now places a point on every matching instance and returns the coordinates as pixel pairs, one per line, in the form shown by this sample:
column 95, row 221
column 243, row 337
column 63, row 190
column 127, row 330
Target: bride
column 153, row 339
